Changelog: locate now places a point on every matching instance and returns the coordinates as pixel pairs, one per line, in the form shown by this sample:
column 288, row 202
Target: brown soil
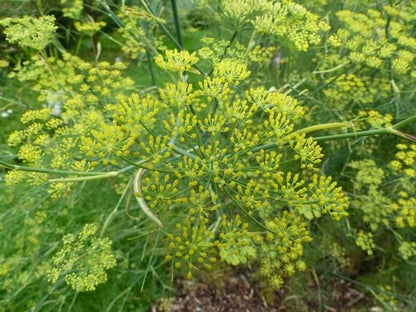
column 236, row 293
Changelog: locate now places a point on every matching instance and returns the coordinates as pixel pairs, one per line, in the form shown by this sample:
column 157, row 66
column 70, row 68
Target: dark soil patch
column 237, row 293
column 232, row 294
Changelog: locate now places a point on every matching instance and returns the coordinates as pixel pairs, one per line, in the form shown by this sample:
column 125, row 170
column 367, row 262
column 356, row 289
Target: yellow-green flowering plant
column 211, row 162
column 235, row 154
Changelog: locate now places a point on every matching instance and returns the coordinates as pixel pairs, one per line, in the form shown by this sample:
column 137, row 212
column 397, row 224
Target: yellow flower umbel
column 231, row 150
column 177, row 61
column 289, row 23
column 136, row 30
column 29, row 31
column 386, row 208
column 213, row 148
column 83, row 260
column 72, row 8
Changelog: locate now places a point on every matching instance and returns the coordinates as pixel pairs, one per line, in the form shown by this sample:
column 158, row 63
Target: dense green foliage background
column 146, row 140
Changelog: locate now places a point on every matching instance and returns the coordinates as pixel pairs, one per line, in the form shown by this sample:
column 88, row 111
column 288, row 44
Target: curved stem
column 325, row 71
column 140, row 200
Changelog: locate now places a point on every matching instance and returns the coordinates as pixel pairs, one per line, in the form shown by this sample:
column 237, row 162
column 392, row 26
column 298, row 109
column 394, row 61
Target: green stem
column 332, row 125
column 183, row 152
column 78, row 179
column 120, row 200
column 331, row 80
column 43, row 170
column 360, row 134
column 325, row 71
column 176, row 21
column 150, row 260
column 167, row 32
column 230, row 43
column 149, row 63
column 11, row 101
column 101, row 175
column 404, row 122
column 164, row 29
column 247, row 213
column 113, row 16
column 326, row 126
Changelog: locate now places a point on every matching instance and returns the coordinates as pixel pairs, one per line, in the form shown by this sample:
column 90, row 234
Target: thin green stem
column 176, row 21
column 8, row 165
column 404, row 122
column 167, row 33
column 120, row 200
column 163, row 27
column 150, row 260
column 11, row 101
column 332, row 125
column 183, row 152
column 113, row 16
column 325, row 71
column 247, row 213
column 140, row 200
column 79, row 179
column 354, row 134
column 138, row 165
column 150, row 64
column 323, row 86
column 230, row 43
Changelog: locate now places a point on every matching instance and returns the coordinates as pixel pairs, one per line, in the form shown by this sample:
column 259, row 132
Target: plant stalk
column 8, row 165
column 176, row 21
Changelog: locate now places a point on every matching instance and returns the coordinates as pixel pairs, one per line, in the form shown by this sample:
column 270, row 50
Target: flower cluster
column 177, row 61
column 372, row 39
column 135, row 31
column 282, row 247
column 74, row 91
column 290, row 23
column 83, row 260
column 386, row 207
column 231, row 148
column 235, row 242
column 29, row 31
column 72, row 9
column 89, row 28
column 192, row 247
column 213, row 155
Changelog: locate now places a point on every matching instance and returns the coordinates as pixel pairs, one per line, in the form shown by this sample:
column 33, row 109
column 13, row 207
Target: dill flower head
column 136, row 30
column 72, row 8
column 177, row 61
column 29, row 31
column 83, row 260
column 89, row 28
column 214, row 146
